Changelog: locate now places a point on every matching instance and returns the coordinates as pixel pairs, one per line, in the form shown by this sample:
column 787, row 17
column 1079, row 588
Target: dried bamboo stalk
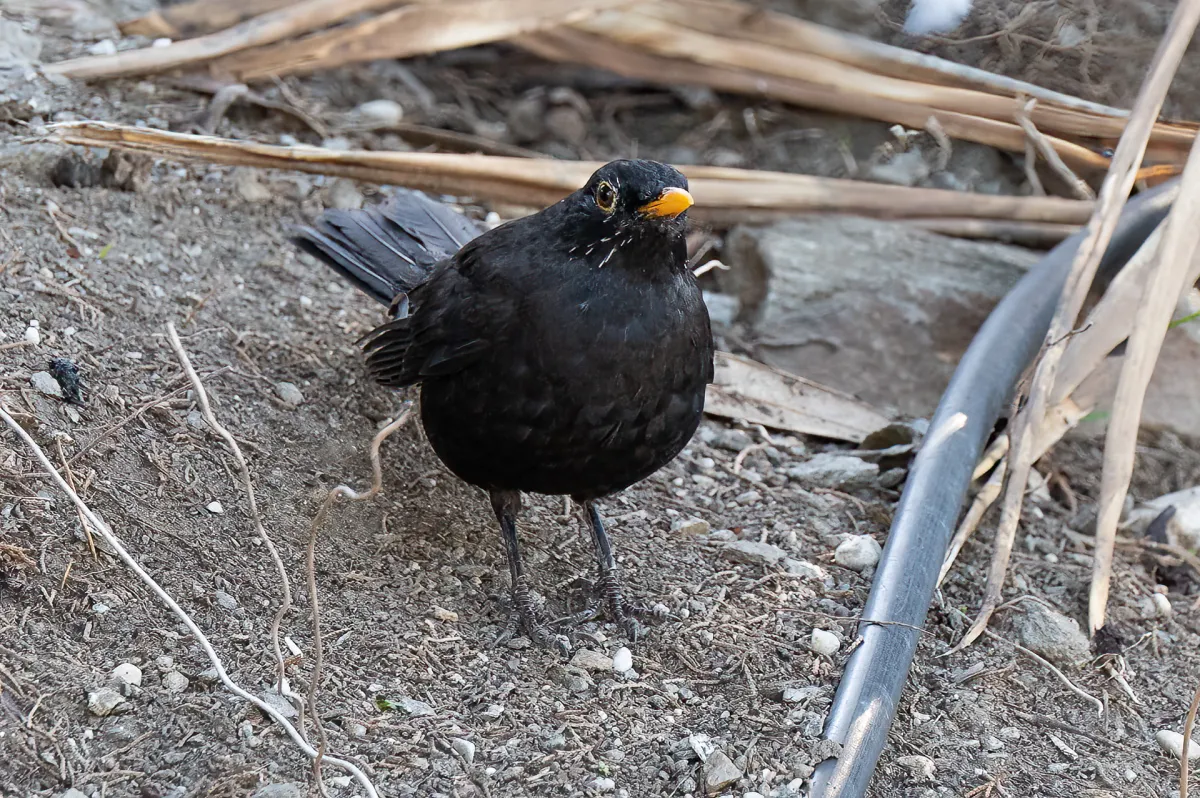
column 720, row 192
column 407, row 31
column 198, row 17
column 273, row 26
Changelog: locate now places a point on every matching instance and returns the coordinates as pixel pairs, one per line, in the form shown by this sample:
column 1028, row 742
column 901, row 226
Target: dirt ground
column 409, row 583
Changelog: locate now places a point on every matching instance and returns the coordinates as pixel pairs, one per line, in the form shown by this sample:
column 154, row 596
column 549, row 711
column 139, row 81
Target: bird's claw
column 607, row 599
column 524, row 617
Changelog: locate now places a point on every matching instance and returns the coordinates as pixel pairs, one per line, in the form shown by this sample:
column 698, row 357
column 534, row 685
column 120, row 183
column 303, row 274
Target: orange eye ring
column 606, row 197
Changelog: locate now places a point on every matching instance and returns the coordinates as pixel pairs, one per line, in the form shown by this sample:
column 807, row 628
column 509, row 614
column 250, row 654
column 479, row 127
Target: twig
column 167, row 599
column 1113, row 193
column 248, row 487
column 148, row 406
column 310, row 562
column 1035, row 137
column 1174, row 272
column 13, row 345
column 1188, row 725
column 87, row 530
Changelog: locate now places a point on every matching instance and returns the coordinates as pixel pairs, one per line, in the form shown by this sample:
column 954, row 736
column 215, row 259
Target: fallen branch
column 721, row 194
column 1188, row 725
column 117, row 546
column 1175, row 271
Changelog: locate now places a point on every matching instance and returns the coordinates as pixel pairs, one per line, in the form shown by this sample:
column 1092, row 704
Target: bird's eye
column 606, row 197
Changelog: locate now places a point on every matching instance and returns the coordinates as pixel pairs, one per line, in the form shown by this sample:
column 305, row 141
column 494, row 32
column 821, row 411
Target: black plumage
column 563, row 353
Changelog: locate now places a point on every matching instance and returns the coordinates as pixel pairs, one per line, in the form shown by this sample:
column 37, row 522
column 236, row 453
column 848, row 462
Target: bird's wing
column 457, row 316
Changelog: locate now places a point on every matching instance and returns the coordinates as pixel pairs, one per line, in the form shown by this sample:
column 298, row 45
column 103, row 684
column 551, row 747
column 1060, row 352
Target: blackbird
column 563, row 353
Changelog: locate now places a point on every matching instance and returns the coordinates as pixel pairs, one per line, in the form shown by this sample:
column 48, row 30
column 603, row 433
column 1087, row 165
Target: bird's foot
column 524, row 617
column 608, row 599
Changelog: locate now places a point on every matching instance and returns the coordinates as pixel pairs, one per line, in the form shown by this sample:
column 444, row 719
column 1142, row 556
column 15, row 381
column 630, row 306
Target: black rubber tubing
column 981, row 388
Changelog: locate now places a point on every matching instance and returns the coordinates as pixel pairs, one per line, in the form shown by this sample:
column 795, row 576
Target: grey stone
column 415, row 708
column 905, row 169
column 719, row 773
column 174, row 682
column 690, row 526
column 919, row 768
column 44, row 383
column 753, row 552
column 289, row 394
column 804, row 569
column 224, row 600
column 589, row 660
column 874, row 308
column 280, row 791
column 1050, row 634
column 465, row 748
column 837, row 471
column 105, row 701
column 1172, row 743
column 858, row 552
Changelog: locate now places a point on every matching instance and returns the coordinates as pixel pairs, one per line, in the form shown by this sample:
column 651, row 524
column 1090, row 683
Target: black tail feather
column 387, row 250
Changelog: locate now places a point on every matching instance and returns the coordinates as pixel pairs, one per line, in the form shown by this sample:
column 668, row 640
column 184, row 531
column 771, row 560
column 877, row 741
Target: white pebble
column 920, row 768
column 824, row 642
column 690, row 526
column 103, row 47
column 380, row 112
column 216, row 508
column 127, row 674
column 1172, row 743
column 464, row 748
column 163, row 42
column 858, row 552
column 289, row 394
column 622, row 660
column 603, row 784
column 32, row 336
column 164, row 663
column 1162, row 605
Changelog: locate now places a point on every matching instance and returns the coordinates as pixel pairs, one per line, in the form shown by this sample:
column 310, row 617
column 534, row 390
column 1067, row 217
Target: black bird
column 564, row 353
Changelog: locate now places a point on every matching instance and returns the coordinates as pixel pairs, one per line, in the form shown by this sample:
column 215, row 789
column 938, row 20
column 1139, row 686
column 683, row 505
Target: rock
column 806, row 286
column 33, row 336
column 907, row 168
column 174, row 682
column 589, row 660
column 289, row 394
column 224, row 600
column 574, row 679
column 464, row 748
column 444, row 615
column 838, row 471
column 343, row 194
column 378, row 113
column 105, row 701
column 798, row 695
column 732, row 440
column 919, row 768
column 1162, row 605
column 858, row 552
column 824, row 642
column 215, row 507
column 622, row 660
column 719, row 773
column 71, row 792
column 278, row 703
column 688, row 527
column 493, row 712
column 753, row 552
column 280, row 791
column 44, row 383
column 602, row 784
column 804, row 569
column 247, row 185
column 195, row 420
column 942, row 16
column 415, row 708
column 127, row 675
column 1172, row 743
column 1050, row 634
column 164, row 663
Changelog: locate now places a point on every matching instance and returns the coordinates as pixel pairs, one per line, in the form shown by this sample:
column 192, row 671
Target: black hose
column 980, row 389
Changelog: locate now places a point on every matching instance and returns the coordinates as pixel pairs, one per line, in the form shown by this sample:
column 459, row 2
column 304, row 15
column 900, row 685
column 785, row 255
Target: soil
column 411, row 583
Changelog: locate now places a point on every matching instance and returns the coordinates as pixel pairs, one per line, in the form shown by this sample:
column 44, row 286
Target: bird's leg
column 524, row 615
column 611, row 596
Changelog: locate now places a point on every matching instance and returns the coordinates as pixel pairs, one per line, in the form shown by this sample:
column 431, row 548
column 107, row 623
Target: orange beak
column 669, row 204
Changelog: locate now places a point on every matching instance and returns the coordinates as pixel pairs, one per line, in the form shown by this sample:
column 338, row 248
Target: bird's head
column 639, row 204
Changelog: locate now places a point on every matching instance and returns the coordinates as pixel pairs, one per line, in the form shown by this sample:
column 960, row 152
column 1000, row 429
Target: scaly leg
column 611, row 599
column 524, row 615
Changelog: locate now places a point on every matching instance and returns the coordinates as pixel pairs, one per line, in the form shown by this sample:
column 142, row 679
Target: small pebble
column 858, row 552
column 594, row 661
column 919, row 768
column 224, row 600
column 164, row 663
column 104, row 701
column 444, row 615
column 603, row 784
column 383, row 113
column 174, row 682
column 103, row 47
column 622, row 660
column 1130, row 775
column 690, row 526
column 44, row 383
column 127, row 674
column 824, row 642
column 1162, row 605
column 216, row 508
column 464, row 748
column 719, row 772
column 343, row 194
column 289, row 394
column 32, row 335
column 493, row 712
column 1172, row 743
